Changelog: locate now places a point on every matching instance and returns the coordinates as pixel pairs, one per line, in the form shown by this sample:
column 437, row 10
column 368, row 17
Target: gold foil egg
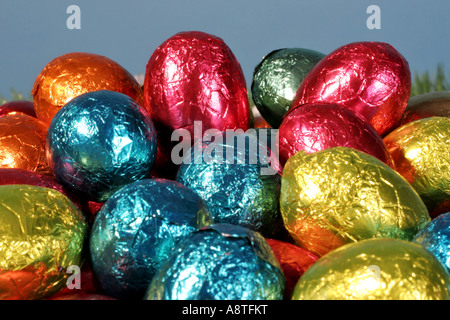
column 73, row 74
column 340, row 195
column 421, row 152
column 42, row 233
column 375, row 269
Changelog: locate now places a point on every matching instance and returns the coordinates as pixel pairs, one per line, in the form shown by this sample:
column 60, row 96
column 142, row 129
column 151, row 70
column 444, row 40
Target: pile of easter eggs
column 338, row 189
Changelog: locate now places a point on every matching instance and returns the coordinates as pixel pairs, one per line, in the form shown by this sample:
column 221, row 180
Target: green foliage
column 426, row 82
column 15, row 95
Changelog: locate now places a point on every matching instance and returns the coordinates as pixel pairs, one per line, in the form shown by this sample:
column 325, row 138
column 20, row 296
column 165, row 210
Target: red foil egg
column 370, row 78
column 194, row 76
column 18, row 106
column 314, row 127
column 294, row 261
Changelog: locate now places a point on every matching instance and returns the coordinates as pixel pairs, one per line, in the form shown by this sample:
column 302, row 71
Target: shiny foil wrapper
column 370, row 78
column 20, row 176
column 99, row 142
column 421, row 153
column 435, row 237
column 432, row 104
column 76, row 73
column 238, row 188
column 276, row 79
column 19, row 106
column 340, row 195
column 219, row 262
column 22, row 143
column 137, row 228
column 84, row 296
column 42, row 233
column 375, row 269
column 294, row 261
column 315, row 127
column 194, row 76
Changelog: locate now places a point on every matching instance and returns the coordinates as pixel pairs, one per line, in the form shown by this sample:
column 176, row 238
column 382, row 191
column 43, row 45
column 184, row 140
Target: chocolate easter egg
column 370, row 78
column 195, row 76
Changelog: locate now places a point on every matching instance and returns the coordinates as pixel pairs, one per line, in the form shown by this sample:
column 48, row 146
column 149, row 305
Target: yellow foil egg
column 42, row 234
column 375, row 269
column 341, row 195
column 421, row 153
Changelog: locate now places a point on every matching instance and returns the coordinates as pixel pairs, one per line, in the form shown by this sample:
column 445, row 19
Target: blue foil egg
column 238, row 179
column 219, row 262
column 435, row 237
column 136, row 229
column 99, row 142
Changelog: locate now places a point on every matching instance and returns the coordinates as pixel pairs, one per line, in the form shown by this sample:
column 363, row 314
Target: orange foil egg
column 73, row 74
column 22, row 143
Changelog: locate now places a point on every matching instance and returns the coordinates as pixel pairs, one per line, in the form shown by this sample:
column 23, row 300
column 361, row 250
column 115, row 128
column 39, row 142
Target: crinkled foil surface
column 195, row 76
column 20, row 176
column 375, row 269
column 22, row 143
column 42, row 233
column 220, row 262
column 432, row 104
column 341, row 195
column 18, row 106
column 370, row 78
column 234, row 185
column 435, row 237
column 421, row 153
column 294, row 261
column 99, row 142
column 314, row 127
column 73, row 74
column 276, row 79
column 137, row 228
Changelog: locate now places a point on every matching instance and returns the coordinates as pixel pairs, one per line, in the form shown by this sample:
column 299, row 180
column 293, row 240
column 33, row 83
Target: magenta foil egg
column 194, row 76
column 314, row 127
column 370, row 78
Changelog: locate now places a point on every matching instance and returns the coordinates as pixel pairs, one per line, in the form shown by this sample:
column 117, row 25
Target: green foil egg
column 276, row 79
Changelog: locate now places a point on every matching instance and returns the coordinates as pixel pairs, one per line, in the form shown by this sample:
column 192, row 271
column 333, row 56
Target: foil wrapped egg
column 84, row 296
column 20, row 176
column 42, row 233
column 219, row 262
column 240, row 185
column 435, row 237
column 294, row 261
column 76, row 73
column 431, row 104
column 22, row 143
column 341, row 195
column 421, row 153
column 194, row 76
column 314, row 127
column 136, row 230
column 99, row 142
column 19, row 106
column 276, row 79
column 370, row 78
column 375, row 269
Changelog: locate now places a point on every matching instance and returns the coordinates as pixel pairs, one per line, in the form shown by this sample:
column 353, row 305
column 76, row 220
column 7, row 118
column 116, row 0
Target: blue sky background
column 32, row 33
